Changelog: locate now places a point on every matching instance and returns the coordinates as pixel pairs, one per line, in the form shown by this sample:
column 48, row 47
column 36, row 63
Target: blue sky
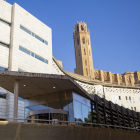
column 114, row 27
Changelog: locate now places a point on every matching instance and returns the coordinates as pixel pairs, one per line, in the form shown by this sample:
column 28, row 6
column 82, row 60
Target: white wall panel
column 5, row 11
column 4, row 33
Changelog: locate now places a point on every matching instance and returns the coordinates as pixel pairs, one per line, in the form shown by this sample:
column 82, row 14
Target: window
column 46, row 42
column 130, row 99
column 33, row 54
column 26, row 30
column 119, row 97
column 33, row 34
column 87, row 71
column 135, row 108
column 139, row 99
column 83, row 40
column 82, row 27
column 77, row 29
column 85, row 62
column 21, row 99
column 46, row 61
column 39, row 58
column 2, row 95
column 126, row 98
column 20, row 70
column 84, row 52
column 5, row 22
column 24, row 50
column 39, row 38
column 131, row 108
column 3, row 44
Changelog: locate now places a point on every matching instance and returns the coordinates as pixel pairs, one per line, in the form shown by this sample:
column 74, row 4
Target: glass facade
column 82, row 108
column 78, row 107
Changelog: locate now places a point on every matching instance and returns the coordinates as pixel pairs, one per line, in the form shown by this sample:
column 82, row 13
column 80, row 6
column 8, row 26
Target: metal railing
column 72, row 123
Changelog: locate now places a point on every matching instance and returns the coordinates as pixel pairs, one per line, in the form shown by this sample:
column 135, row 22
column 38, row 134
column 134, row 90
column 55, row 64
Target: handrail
column 74, row 122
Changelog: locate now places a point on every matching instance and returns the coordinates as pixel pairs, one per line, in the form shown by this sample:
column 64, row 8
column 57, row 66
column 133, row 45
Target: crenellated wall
column 128, row 78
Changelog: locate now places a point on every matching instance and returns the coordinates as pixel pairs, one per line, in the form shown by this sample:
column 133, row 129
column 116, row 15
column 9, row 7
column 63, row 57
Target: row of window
column 82, row 28
column 83, row 41
column 4, row 22
column 3, row 44
column 33, row 34
column 33, row 54
column 133, row 108
column 131, row 99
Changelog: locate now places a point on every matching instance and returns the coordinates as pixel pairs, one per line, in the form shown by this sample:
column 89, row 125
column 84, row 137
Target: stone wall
column 27, row 131
column 126, row 79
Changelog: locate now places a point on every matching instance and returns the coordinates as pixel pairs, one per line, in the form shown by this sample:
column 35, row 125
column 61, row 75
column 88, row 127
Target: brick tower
column 83, row 52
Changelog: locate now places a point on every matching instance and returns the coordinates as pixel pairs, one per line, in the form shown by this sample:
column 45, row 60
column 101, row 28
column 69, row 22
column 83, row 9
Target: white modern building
column 26, row 46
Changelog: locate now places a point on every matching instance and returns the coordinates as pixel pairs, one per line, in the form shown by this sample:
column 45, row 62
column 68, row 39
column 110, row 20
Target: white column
column 16, row 89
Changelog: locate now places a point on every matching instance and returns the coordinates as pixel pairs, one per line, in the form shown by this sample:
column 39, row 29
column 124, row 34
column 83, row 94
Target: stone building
column 83, row 52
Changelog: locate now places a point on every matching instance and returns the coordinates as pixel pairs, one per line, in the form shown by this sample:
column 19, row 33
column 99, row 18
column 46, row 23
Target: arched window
column 89, row 52
column 84, row 52
column 85, row 62
column 88, row 41
column 77, row 41
column 83, row 39
column 87, row 71
column 77, row 29
column 82, row 27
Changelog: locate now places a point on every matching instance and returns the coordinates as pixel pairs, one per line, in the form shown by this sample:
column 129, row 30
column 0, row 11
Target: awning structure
column 34, row 84
column 26, row 85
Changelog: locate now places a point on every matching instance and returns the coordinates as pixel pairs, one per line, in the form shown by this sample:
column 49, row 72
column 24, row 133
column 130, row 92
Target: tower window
column 82, row 27
column 83, row 39
column 87, row 71
column 77, row 29
column 85, row 62
column 84, row 52
column 77, row 41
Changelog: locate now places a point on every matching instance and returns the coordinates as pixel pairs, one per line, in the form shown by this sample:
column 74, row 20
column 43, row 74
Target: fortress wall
column 128, row 78
column 28, row 131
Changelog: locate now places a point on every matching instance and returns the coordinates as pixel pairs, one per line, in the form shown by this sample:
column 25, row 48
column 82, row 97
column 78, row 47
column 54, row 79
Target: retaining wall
column 28, row 131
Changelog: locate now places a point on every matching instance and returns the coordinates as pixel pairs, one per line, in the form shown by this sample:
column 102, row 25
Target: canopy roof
column 34, row 84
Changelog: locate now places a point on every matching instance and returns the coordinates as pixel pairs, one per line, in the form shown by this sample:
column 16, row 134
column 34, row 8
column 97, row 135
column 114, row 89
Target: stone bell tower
column 83, row 52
